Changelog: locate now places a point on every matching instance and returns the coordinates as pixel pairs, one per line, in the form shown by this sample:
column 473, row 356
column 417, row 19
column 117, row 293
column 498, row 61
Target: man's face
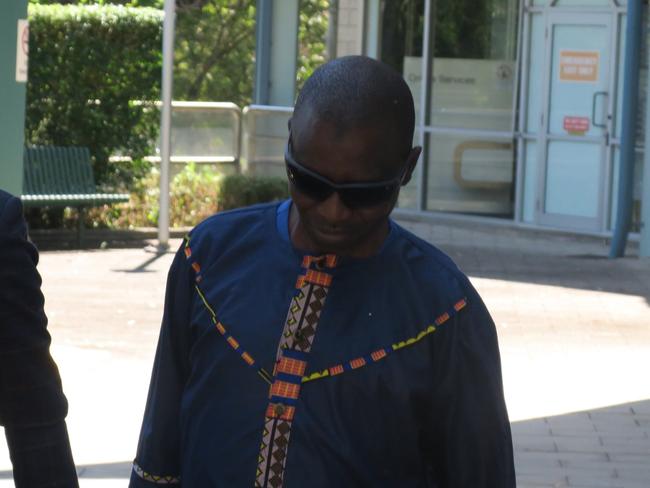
column 365, row 155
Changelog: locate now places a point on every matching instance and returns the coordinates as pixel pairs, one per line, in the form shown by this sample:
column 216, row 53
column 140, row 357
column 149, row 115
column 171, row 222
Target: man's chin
column 333, row 242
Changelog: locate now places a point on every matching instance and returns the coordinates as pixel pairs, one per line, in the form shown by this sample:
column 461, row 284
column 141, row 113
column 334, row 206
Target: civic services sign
column 22, row 50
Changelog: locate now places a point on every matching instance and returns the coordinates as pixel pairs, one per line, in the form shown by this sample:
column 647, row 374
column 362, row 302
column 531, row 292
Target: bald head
column 358, row 92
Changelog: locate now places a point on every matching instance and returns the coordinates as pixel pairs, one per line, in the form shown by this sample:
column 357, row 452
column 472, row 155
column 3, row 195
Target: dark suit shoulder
column 11, row 216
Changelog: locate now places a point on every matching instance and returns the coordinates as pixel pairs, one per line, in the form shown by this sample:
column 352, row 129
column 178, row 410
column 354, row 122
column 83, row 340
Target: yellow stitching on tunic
column 458, row 306
column 205, row 302
column 315, row 376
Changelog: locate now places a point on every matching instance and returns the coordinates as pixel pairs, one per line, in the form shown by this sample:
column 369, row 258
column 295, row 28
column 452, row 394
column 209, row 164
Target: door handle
column 593, row 109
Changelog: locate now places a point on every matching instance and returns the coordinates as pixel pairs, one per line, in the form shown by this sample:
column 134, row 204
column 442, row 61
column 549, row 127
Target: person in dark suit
column 32, row 404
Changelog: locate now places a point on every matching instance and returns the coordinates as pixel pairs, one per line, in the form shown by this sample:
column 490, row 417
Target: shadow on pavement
column 142, row 268
column 605, row 447
column 629, row 276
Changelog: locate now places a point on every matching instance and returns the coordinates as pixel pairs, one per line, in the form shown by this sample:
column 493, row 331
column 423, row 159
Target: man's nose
column 333, row 210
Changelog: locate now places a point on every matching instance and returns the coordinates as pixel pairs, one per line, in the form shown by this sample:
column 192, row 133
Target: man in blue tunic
column 316, row 343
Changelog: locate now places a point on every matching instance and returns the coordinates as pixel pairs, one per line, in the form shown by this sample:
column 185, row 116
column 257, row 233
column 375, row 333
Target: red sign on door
column 576, row 125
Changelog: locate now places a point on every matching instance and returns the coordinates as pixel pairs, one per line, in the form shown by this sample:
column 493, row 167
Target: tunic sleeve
column 471, row 441
column 158, row 456
column 32, row 404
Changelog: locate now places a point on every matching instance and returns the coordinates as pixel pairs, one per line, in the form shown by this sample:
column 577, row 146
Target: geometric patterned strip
column 294, row 315
column 381, row 353
column 263, row 457
column 154, row 478
column 291, row 362
column 231, row 341
column 273, row 453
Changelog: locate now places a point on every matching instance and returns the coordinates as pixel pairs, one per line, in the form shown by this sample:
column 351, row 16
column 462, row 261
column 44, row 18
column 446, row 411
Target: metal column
column 276, row 52
column 628, row 132
column 165, row 122
column 644, row 249
column 12, row 97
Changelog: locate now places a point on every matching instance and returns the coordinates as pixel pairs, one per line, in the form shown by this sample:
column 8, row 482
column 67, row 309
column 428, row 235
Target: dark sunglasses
column 353, row 195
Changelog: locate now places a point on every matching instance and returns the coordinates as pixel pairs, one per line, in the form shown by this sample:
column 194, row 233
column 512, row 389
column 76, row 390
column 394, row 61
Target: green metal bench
column 62, row 177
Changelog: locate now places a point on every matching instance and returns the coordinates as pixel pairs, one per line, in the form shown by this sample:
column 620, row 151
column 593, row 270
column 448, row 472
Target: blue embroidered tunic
column 276, row 368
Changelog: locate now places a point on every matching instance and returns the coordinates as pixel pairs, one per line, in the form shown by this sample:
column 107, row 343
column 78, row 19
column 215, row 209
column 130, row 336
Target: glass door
column 576, row 121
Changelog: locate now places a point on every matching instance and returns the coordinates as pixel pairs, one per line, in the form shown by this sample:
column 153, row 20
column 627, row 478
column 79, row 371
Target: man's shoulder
column 11, row 214
column 432, row 267
column 5, row 199
column 235, row 226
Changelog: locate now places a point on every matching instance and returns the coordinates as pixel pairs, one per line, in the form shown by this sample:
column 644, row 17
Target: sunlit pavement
column 574, row 331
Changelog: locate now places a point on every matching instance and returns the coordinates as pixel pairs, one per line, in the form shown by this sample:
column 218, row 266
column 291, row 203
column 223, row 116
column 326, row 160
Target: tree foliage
column 312, row 32
column 214, row 53
column 215, row 48
column 214, row 56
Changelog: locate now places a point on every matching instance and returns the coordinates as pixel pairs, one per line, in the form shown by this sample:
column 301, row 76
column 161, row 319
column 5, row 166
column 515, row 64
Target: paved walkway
column 574, row 330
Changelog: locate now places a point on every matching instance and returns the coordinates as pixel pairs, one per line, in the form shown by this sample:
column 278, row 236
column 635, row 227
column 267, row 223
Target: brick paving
column 574, row 330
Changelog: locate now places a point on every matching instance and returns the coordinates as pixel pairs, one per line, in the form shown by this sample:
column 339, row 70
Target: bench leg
column 81, row 215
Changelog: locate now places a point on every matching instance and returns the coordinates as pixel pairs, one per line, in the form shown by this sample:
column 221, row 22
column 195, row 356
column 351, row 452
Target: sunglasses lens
column 307, row 184
column 366, row 197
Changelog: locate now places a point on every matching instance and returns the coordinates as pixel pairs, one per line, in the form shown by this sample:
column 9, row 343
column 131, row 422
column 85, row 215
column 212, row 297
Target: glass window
column 402, row 30
column 474, row 64
column 470, row 175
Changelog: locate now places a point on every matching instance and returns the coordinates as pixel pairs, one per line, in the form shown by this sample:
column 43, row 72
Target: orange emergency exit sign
column 579, row 65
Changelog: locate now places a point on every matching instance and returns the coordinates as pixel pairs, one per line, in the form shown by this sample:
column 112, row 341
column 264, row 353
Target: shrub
column 241, row 191
column 195, row 193
column 88, row 64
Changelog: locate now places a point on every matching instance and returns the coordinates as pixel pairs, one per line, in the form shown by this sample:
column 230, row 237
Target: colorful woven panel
column 291, row 362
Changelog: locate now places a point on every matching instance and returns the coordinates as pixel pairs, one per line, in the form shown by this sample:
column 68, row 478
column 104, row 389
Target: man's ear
column 412, row 160
column 289, row 124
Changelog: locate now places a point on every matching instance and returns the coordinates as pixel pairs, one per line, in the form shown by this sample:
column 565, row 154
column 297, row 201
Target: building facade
column 518, row 103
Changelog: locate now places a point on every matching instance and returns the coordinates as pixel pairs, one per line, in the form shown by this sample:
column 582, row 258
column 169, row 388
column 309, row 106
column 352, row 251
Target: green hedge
column 87, row 64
